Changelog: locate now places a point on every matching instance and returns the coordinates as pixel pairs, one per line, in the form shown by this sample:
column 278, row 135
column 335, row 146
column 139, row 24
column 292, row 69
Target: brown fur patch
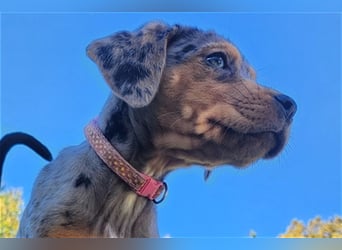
column 70, row 233
column 234, row 121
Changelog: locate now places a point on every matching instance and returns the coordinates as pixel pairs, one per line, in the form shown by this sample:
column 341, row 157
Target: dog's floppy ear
column 132, row 62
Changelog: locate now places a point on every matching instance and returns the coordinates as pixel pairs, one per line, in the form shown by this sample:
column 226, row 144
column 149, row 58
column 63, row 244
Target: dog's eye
column 217, row 60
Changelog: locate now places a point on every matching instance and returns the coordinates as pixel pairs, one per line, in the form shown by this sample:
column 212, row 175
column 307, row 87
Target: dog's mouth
column 280, row 141
column 277, row 139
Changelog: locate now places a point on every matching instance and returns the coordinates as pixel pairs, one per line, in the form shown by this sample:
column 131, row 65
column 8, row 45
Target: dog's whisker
column 237, row 100
column 247, row 88
column 174, row 123
column 239, row 91
column 167, row 113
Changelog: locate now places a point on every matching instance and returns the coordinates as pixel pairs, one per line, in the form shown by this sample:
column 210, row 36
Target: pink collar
column 142, row 184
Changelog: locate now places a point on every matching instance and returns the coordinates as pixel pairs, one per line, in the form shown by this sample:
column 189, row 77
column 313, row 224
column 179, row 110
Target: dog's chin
column 280, row 140
column 250, row 147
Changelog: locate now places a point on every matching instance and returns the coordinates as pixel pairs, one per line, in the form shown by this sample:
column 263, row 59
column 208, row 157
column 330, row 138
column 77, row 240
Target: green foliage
column 10, row 209
column 11, row 206
column 252, row 234
column 315, row 228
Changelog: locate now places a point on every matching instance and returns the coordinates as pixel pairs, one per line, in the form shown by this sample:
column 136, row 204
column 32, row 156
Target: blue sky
column 174, row 5
column 49, row 88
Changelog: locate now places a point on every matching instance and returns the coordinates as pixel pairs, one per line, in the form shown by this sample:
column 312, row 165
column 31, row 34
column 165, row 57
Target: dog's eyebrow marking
column 188, row 48
column 82, row 180
column 184, row 34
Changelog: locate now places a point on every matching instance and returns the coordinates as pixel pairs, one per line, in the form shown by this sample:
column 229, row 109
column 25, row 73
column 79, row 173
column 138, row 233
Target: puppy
column 180, row 96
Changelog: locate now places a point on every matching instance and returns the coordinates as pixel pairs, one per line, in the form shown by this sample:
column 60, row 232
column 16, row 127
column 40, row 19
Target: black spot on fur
column 148, row 92
column 130, row 73
column 65, row 224
column 183, row 54
column 161, row 33
column 127, row 89
column 67, row 214
column 123, row 37
column 82, row 180
column 36, row 203
column 105, row 56
column 183, row 33
column 188, row 48
column 43, row 221
column 129, row 53
column 140, row 34
column 178, row 58
column 138, row 92
column 117, row 127
column 144, row 51
column 68, row 218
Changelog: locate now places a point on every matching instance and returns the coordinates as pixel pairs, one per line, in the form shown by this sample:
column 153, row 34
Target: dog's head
column 195, row 94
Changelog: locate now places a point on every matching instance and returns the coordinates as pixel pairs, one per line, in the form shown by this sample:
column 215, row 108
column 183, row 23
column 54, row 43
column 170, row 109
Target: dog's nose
column 289, row 105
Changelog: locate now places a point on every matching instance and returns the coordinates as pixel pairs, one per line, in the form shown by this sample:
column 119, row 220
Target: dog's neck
column 129, row 214
column 116, row 127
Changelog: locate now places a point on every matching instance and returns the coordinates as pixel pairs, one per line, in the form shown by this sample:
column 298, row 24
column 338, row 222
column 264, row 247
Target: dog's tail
column 11, row 139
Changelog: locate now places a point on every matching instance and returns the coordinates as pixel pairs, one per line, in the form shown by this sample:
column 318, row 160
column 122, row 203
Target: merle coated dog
column 180, row 96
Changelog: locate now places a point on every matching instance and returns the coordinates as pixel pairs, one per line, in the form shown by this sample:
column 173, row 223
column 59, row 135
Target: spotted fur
column 172, row 105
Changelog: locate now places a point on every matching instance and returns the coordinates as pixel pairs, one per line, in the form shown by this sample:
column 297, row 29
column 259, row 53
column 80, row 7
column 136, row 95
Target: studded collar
column 141, row 183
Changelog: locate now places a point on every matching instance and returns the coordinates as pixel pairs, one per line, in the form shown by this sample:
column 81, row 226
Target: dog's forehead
column 187, row 40
column 185, row 36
